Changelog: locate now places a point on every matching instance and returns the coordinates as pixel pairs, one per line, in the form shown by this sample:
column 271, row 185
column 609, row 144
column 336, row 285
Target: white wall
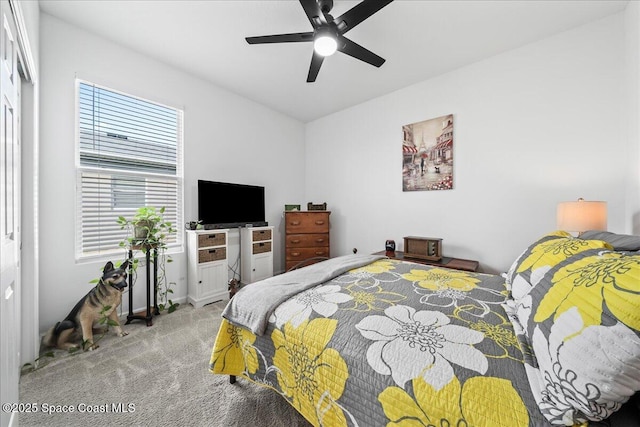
column 227, row 138
column 532, row 127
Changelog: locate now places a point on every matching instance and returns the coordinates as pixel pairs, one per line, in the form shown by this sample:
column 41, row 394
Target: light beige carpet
column 159, row 374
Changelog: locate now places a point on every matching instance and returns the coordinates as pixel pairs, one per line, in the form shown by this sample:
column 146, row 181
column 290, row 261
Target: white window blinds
column 129, row 156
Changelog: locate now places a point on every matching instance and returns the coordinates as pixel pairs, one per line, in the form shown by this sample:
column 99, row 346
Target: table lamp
column 581, row 216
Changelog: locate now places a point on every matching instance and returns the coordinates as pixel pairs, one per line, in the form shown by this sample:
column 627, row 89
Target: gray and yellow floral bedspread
column 390, row 343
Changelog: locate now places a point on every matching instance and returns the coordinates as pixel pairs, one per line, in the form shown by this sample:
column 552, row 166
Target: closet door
column 9, row 214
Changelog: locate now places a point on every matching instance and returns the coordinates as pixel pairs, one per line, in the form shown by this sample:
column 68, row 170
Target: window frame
column 173, row 247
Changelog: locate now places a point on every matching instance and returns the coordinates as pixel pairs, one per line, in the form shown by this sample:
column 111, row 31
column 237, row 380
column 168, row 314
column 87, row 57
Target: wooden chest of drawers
column 306, row 237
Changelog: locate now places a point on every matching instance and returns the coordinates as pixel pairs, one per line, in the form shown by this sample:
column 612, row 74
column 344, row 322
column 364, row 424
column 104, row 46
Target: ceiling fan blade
column 354, row 49
column 314, row 13
column 281, row 38
column 314, row 68
column 358, row 13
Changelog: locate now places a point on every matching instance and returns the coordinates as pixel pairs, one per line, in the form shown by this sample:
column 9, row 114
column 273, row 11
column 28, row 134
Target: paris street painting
column 427, row 155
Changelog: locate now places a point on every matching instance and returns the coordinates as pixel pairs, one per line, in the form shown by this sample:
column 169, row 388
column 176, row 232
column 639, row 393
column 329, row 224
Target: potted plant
column 144, row 222
column 148, row 230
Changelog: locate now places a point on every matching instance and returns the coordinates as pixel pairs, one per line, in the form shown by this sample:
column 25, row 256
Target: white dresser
column 256, row 253
column 207, row 275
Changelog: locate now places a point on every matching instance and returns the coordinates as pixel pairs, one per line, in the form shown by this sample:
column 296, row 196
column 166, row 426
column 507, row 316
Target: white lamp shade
column 582, row 216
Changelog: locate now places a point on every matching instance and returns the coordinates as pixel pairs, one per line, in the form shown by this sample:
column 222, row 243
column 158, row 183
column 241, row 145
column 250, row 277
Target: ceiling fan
column 328, row 32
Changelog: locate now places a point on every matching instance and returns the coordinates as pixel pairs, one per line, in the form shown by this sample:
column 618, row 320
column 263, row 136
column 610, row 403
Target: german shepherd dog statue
column 107, row 293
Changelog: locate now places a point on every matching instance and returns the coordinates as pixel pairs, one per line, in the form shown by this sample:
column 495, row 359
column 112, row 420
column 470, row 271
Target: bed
column 370, row 341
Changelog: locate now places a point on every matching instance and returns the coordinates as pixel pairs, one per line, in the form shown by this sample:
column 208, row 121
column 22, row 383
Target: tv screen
column 227, row 205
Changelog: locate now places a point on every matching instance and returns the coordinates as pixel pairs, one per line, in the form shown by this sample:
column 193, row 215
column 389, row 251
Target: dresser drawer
column 211, row 239
column 307, row 222
column 307, row 240
column 299, row 254
column 261, row 235
column 208, row 255
column 260, row 248
column 303, row 257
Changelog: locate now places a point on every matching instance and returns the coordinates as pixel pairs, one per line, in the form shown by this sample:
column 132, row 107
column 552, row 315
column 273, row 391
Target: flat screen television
column 227, row 205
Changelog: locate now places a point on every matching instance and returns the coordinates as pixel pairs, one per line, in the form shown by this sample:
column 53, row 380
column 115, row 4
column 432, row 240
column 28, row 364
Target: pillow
column 584, row 330
column 545, row 253
column 619, row 242
column 511, row 272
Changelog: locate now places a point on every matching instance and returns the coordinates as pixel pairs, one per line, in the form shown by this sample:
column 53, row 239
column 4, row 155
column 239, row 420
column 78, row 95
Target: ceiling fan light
column 325, row 45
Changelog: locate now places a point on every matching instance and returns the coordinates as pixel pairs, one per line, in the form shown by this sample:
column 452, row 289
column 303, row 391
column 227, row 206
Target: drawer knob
column 295, row 222
column 319, row 222
column 295, row 241
column 295, row 253
column 319, row 240
column 319, row 253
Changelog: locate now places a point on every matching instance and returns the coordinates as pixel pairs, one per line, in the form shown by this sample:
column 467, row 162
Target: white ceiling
column 419, row 40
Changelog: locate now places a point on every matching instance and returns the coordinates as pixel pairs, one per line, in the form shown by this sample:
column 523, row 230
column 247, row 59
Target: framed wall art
column 427, row 155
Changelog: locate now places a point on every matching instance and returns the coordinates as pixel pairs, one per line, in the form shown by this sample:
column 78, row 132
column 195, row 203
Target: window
column 129, row 155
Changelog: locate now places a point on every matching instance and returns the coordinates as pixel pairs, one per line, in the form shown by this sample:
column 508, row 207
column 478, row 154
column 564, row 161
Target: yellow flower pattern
column 441, row 278
column 477, row 403
column 373, row 298
column 381, row 266
column 610, row 277
column 233, row 351
column 495, row 328
column 312, row 377
column 553, row 250
column 378, row 273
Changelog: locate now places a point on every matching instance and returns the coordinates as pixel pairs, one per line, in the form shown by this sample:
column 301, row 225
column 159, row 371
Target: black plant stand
column 151, row 287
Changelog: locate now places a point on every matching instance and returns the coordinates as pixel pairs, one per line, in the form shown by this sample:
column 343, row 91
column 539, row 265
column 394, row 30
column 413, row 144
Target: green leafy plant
column 147, row 227
column 37, row 363
column 149, row 230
